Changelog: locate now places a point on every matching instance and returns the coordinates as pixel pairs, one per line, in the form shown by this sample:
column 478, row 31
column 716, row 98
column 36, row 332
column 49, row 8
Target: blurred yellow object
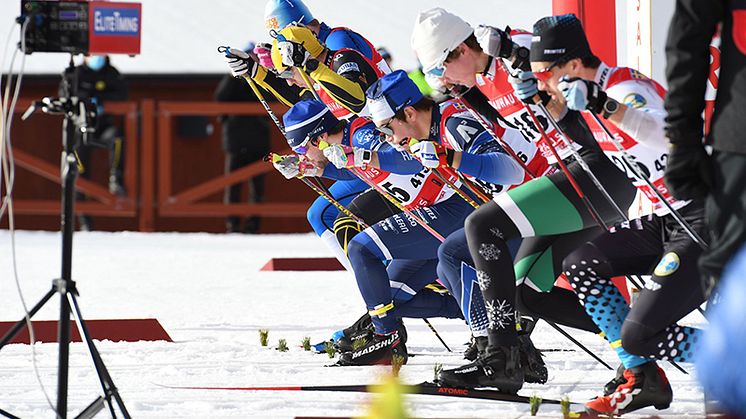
column 388, row 400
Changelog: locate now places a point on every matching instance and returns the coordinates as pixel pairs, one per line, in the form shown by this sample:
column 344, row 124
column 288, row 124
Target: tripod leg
column 21, row 323
column 8, row 415
column 107, row 384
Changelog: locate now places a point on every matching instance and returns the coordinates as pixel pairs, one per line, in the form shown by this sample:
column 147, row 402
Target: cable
column 7, row 161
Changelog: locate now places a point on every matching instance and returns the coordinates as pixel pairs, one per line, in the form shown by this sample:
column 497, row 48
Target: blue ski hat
column 305, row 120
column 278, row 14
column 391, row 93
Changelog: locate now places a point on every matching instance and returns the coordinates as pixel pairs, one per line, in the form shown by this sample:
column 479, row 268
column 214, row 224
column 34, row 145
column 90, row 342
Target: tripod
column 75, row 122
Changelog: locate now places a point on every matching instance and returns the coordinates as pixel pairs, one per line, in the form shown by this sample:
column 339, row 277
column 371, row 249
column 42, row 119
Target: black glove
column 689, row 173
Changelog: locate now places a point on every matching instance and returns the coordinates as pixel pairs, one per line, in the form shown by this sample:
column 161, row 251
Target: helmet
column 436, row 33
column 280, row 13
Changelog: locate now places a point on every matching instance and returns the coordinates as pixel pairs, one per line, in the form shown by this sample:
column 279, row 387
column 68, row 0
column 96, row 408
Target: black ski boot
column 499, row 367
column 646, row 385
column 615, row 382
column 476, row 347
column 532, row 360
column 361, row 329
column 377, row 350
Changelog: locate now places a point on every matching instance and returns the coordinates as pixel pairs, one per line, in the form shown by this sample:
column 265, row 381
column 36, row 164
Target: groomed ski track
column 210, row 296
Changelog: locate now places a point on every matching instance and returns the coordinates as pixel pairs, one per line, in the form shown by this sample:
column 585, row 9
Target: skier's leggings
column 399, row 237
column 321, row 214
column 553, row 221
column 649, row 245
column 406, row 274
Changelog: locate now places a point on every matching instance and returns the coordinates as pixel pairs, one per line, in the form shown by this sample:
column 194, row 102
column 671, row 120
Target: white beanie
column 436, row 33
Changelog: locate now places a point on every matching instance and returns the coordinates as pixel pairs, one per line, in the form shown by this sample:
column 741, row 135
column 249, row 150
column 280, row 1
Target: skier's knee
column 314, row 215
column 636, row 339
column 359, row 249
column 576, row 265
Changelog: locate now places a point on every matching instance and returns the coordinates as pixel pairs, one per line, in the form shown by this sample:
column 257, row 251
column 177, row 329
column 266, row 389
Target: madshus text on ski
column 507, row 172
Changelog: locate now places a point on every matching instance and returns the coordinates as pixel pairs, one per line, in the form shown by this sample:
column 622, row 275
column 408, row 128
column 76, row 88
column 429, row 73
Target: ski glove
column 429, row 153
column 264, row 53
column 292, row 166
column 240, row 63
column 582, row 94
column 494, row 42
column 525, row 86
column 345, row 157
column 689, row 172
column 297, row 44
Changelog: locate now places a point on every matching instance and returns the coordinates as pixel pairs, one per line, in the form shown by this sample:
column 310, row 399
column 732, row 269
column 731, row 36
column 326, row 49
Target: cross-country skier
column 399, row 110
column 356, row 146
column 522, row 212
column 475, row 61
column 280, row 14
column 631, row 106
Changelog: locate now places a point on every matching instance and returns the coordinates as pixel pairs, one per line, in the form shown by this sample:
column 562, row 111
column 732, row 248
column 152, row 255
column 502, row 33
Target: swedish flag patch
column 668, row 264
column 636, row 74
column 634, row 100
column 459, row 106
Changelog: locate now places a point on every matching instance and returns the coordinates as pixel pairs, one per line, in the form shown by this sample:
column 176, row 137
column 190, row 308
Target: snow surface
column 210, row 296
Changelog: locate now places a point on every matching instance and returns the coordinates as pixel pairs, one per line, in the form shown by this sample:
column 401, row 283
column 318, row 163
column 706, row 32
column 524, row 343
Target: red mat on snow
column 120, row 330
column 303, row 264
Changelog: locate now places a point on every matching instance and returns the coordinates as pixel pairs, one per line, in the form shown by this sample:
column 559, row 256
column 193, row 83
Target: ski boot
column 377, row 350
column 646, row 385
column 476, row 347
column 532, row 360
column 615, row 382
column 344, row 340
column 500, row 367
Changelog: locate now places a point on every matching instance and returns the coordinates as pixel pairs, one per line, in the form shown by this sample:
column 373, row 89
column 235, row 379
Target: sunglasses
column 546, row 73
column 303, row 148
column 437, row 71
column 385, row 129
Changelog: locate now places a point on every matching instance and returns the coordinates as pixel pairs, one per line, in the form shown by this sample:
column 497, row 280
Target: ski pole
column 499, row 140
column 578, row 344
column 634, row 165
column 276, row 157
column 566, row 141
column 430, row 325
column 319, row 189
column 548, row 143
column 225, row 50
column 444, row 179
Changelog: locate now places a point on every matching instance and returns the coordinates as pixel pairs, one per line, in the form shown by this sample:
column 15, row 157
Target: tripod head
column 80, row 114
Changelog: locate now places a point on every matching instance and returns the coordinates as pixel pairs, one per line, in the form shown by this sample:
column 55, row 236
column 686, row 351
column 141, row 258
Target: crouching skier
column 357, row 146
column 474, row 61
column 450, row 48
column 631, row 107
column 551, row 218
column 401, row 112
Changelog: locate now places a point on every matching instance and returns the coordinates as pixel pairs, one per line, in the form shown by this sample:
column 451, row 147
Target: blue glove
column 582, row 94
column 525, row 86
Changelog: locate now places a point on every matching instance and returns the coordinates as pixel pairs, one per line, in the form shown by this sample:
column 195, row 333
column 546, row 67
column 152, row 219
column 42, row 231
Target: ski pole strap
column 380, row 310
